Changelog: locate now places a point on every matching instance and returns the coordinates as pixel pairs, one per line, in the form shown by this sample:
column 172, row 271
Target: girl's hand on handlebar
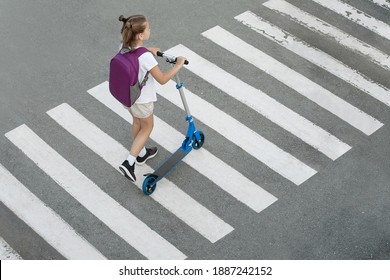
column 180, row 60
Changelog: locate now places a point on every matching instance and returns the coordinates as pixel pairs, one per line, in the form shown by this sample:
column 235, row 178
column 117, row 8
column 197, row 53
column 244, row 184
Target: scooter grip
column 162, row 55
column 185, row 61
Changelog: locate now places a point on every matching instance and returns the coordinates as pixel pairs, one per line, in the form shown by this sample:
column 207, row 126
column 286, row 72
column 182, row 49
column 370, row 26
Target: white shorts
column 141, row 111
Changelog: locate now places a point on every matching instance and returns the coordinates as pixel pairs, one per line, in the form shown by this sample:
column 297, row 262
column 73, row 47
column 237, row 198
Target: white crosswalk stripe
column 120, row 220
column 315, row 56
column 42, row 219
column 206, row 163
column 7, row 252
column 357, row 16
column 167, row 194
column 294, row 80
column 262, row 103
column 322, row 27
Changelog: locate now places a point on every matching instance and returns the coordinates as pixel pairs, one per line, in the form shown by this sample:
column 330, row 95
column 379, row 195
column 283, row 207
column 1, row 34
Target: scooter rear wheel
column 198, row 144
column 149, row 185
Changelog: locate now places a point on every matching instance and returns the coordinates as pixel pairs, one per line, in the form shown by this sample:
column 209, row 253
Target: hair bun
column 122, row 18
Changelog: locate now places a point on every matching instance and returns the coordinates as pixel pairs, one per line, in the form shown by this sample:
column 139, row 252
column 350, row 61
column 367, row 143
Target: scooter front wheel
column 149, row 185
column 197, row 144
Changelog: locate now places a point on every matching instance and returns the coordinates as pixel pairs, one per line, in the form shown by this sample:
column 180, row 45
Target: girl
column 135, row 31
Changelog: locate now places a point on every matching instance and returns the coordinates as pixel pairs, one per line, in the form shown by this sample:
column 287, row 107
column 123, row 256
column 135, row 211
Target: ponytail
column 132, row 26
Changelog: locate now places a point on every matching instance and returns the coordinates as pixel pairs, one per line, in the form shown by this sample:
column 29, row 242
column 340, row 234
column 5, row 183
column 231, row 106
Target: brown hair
column 132, row 26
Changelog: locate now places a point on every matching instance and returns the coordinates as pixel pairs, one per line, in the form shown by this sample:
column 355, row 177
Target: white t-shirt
column 148, row 93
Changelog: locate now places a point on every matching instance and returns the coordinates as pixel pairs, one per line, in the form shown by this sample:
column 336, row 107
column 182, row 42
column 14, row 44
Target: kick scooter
column 194, row 139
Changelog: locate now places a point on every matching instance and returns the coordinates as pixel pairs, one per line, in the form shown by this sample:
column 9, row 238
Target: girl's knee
column 136, row 121
column 149, row 126
column 147, row 122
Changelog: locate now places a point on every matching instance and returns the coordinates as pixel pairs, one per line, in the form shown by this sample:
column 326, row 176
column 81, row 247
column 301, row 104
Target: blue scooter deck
column 170, row 163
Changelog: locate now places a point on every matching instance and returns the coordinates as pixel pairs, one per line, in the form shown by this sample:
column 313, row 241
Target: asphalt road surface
column 293, row 100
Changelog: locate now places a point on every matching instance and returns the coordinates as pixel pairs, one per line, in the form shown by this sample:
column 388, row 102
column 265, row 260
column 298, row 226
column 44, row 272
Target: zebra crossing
column 316, row 56
column 325, row 28
column 294, row 80
column 231, row 182
column 356, row 16
column 42, row 219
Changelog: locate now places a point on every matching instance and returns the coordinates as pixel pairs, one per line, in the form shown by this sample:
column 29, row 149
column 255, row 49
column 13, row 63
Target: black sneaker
column 128, row 170
column 150, row 153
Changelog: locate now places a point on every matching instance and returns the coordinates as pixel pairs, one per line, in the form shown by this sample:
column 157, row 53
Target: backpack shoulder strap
column 138, row 52
column 141, row 50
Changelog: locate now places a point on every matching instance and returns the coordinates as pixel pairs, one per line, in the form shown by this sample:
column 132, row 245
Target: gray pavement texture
column 52, row 52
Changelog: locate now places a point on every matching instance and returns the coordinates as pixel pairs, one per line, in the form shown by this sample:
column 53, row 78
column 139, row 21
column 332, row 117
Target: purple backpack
column 123, row 82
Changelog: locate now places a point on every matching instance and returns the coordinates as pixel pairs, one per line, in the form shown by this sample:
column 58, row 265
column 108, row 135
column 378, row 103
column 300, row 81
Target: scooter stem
column 179, row 86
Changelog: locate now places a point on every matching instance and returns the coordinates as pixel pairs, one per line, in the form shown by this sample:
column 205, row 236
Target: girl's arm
column 163, row 78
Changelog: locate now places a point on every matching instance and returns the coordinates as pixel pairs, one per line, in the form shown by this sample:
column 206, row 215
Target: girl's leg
column 136, row 127
column 142, row 136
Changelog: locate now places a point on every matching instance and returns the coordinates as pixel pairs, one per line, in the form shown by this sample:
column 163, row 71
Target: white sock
column 131, row 159
column 143, row 152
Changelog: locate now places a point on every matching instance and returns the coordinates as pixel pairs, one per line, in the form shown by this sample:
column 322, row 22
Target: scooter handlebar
column 170, row 58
